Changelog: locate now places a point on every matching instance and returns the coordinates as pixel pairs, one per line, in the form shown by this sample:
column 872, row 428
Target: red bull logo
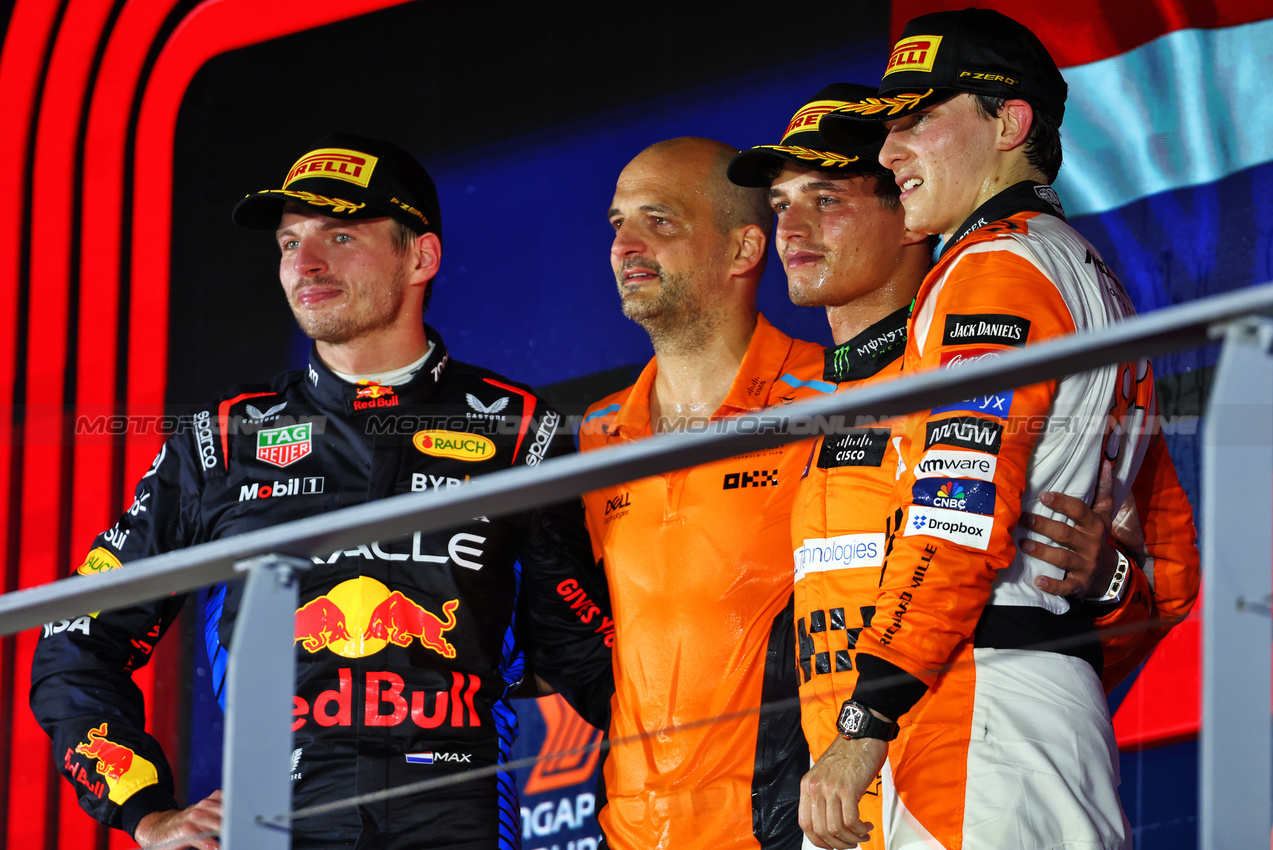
column 372, row 389
column 398, row 620
column 385, row 704
column 371, row 394
column 124, row 771
column 360, row 617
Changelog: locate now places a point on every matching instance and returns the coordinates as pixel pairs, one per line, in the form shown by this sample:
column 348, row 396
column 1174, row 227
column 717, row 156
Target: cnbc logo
column 950, row 495
column 283, row 446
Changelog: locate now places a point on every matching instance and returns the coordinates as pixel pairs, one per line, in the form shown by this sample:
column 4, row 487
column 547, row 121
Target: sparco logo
column 966, row 432
column 204, row 439
column 986, row 328
column 547, row 427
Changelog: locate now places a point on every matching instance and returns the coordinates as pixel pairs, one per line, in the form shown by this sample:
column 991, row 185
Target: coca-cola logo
column 955, row 359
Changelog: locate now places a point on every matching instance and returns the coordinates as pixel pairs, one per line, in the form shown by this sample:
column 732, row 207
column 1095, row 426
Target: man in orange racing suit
column 1005, row 739
column 844, row 245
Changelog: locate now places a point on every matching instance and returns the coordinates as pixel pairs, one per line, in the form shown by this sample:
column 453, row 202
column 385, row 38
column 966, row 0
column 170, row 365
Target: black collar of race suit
column 330, row 389
column 868, row 352
column 1026, row 196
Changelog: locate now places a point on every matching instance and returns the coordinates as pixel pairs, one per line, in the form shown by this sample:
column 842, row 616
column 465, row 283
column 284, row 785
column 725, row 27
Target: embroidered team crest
column 256, row 413
column 490, row 410
column 284, row 446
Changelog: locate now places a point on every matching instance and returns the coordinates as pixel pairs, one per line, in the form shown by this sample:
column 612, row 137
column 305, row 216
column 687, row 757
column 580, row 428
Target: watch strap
column 857, row 721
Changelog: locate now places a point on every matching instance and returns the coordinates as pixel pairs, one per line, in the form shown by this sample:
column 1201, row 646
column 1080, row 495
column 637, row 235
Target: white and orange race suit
column 1006, row 738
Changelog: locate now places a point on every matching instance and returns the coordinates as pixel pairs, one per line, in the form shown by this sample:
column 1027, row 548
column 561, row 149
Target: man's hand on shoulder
column 1084, row 553
column 830, row 791
column 203, row 816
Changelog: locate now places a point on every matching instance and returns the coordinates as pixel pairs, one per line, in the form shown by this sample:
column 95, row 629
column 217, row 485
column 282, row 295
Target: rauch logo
column 454, row 444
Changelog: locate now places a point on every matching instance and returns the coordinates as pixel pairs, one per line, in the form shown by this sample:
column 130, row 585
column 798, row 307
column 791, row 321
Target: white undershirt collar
column 393, row 378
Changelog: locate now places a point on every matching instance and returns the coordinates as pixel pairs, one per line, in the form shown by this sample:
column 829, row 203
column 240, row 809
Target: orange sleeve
column 1164, row 593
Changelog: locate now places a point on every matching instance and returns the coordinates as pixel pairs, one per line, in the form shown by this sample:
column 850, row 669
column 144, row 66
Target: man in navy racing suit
column 407, row 650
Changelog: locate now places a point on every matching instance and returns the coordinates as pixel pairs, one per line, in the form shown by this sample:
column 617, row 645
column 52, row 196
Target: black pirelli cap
column 978, row 51
column 349, row 176
column 802, row 143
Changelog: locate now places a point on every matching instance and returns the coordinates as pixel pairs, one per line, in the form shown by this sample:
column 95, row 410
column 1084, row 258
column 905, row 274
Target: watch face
column 851, row 718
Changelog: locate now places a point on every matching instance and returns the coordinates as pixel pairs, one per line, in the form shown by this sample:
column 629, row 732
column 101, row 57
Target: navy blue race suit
column 406, row 650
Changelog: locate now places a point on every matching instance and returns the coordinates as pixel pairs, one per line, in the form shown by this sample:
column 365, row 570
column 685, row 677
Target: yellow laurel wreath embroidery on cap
column 338, row 205
column 826, row 158
column 876, row 105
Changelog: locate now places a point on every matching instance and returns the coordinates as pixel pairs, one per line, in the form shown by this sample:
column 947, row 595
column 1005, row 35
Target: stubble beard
column 677, row 318
column 342, row 323
column 809, row 288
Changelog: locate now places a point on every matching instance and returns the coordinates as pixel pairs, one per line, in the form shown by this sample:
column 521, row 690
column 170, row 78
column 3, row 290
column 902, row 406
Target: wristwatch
column 857, row 721
column 1114, row 594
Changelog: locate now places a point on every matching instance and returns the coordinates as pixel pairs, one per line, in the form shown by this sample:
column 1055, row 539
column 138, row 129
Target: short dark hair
column 886, row 188
column 735, row 206
column 403, row 236
column 1042, row 145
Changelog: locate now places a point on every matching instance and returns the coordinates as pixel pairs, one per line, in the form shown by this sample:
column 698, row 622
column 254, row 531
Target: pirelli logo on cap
column 337, row 163
column 807, row 118
column 916, row 53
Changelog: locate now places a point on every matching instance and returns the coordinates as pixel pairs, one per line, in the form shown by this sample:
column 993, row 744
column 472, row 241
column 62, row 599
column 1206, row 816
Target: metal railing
column 1237, row 538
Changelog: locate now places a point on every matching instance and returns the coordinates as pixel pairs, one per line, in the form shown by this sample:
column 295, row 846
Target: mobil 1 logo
column 967, row 432
column 856, row 447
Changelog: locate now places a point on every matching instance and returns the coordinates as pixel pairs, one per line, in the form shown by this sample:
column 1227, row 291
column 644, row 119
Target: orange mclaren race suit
column 838, row 534
column 406, row 650
column 840, row 521
column 1006, row 738
column 699, row 571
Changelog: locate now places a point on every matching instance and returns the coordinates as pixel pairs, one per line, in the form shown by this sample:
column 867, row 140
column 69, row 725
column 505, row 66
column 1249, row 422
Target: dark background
column 524, row 116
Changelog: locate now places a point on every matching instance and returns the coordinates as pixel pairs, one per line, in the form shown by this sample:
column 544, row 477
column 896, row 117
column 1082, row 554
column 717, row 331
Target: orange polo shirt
column 699, row 566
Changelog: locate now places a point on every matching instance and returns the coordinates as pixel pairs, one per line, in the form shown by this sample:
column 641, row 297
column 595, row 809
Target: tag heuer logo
column 283, row 446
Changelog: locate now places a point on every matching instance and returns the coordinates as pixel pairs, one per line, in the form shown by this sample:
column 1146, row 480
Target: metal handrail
column 1182, row 326
column 1238, row 545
